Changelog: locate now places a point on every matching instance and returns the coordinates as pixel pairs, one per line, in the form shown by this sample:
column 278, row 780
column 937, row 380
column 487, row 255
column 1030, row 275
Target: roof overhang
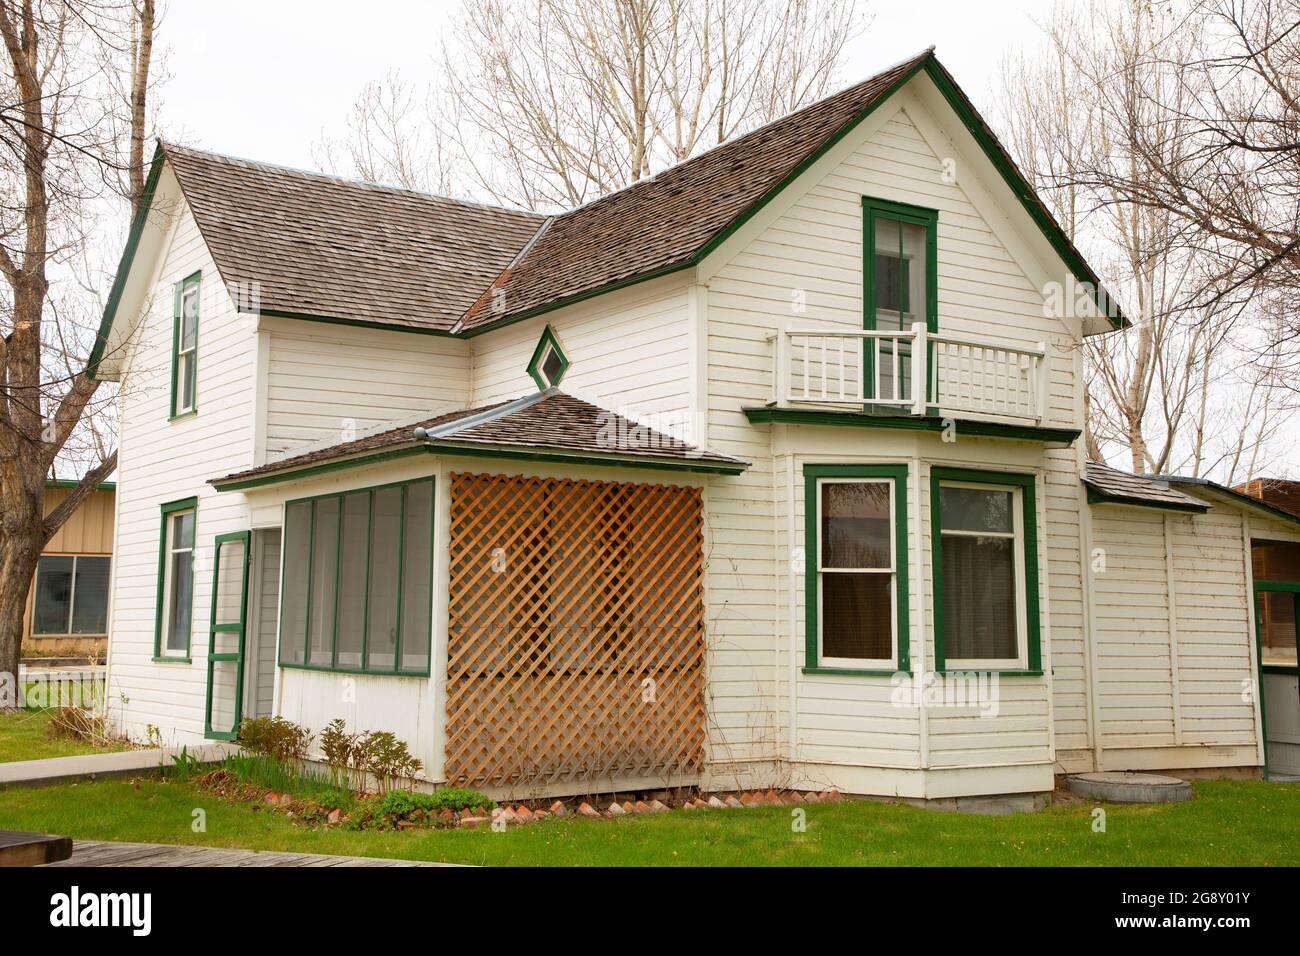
column 1225, row 495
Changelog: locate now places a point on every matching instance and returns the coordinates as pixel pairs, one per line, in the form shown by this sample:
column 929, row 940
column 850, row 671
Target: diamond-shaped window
column 549, row 363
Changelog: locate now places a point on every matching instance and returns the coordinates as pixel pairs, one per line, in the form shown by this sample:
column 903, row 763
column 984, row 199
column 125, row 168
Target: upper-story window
column 185, row 346
column 899, row 283
column 549, row 363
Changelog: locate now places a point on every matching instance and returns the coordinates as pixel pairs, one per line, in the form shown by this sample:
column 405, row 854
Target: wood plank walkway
column 100, row 853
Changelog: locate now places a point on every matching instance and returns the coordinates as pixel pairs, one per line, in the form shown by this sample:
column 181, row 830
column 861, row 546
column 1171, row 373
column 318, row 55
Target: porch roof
column 1109, row 485
column 546, row 426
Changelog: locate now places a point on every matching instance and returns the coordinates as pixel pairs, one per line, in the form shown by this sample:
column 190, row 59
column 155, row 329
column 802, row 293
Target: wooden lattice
column 576, row 631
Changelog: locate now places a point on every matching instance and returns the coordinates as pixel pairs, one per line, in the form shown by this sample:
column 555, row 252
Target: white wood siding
column 1174, row 637
column 325, row 382
column 162, row 461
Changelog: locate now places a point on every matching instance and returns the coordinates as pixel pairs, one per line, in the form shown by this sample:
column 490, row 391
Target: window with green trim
column 185, row 346
column 985, row 570
column 856, row 567
column 174, row 615
column 900, row 286
column 548, row 363
column 358, row 580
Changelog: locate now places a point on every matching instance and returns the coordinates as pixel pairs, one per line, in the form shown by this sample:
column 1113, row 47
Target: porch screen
column 575, row 632
column 358, row 580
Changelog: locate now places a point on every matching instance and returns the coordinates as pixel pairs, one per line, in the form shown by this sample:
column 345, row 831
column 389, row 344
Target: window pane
column 189, row 318
column 182, row 531
column 1277, row 626
column 53, row 594
column 417, row 556
column 181, row 601
column 324, row 565
column 975, row 509
column 384, row 539
column 352, row 578
column 855, row 524
column 297, row 567
column 979, row 598
column 857, row 616
column 899, row 276
column 90, row 611
column 551, row 366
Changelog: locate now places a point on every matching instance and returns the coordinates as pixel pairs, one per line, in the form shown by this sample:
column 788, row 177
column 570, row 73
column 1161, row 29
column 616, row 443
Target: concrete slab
column 35, row 773
column 1123, row 787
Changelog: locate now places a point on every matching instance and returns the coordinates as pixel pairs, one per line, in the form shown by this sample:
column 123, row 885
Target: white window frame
column 1021, row 661
column 185, row 404
column 164, row 650
column 858, row 663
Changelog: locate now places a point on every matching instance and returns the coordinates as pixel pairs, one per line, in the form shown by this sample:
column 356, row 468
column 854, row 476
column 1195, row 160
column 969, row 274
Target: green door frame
column 237, row 657
column 1272, row 587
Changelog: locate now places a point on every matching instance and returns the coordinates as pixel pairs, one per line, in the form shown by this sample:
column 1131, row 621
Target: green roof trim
column 1249, row 501
column 930, row 423
column 73, row 483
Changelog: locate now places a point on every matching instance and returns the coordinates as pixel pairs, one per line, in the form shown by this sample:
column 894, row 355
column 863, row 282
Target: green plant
column 387, row 759
column 268, row 774
column 339, row 748
column 387, row 811
column 276, row 738
column 184, row 765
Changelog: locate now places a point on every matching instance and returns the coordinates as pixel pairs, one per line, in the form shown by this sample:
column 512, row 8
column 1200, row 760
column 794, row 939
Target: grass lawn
column 22, row 737
column 1229, row 823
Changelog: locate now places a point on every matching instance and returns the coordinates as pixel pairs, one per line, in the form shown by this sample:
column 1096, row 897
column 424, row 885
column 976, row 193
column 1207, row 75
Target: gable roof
column 1109, row 485
column 321, row 246
column 328, row 248
column 549, row 425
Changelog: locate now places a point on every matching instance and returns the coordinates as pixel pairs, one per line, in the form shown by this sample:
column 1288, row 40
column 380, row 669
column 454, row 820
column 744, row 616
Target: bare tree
column 1088, row 120
column 551, row 103
column 59, row 156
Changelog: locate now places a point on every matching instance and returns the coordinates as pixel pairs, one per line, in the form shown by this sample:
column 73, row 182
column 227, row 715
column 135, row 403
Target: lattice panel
column 576, row 632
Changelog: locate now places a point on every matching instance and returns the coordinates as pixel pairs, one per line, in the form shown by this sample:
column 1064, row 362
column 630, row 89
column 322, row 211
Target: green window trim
column 1029, row 575
column 536, row 365
column 898, row 475
column 167, row 510
column 175, row 409
column 334, row 667
column 874, row 210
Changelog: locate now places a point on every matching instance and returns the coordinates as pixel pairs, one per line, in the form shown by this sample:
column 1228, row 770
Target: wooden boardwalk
column 99, row 853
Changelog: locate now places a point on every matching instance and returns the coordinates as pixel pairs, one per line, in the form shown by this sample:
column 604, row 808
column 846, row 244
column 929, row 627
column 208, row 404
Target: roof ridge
column 344, row 180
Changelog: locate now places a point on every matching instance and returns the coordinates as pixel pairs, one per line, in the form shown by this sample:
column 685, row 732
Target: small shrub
column 339, row 748
column 380, row 754
column 77, row 723
column 385, row 811
column 184, row 766
column 276, row 738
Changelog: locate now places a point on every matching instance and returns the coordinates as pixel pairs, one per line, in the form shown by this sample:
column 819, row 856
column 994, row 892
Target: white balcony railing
column 913, row 371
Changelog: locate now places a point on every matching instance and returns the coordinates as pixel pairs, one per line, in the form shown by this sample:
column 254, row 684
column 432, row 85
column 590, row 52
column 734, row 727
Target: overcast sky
column 264, row 79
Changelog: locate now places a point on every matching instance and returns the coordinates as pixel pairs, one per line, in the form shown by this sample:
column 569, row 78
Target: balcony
column 887, row 372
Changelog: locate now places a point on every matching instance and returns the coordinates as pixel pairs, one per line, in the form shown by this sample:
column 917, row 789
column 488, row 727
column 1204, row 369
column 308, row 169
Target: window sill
column 986, row 670
column 172, row 660
column 852, row 672
column 190, row 414
column 320, row 669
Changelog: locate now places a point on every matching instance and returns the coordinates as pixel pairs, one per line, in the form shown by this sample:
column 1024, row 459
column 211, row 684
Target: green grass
column 1229, row 823
column 23, row 737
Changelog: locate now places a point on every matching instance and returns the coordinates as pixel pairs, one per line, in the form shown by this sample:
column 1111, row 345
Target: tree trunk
column 20, row 548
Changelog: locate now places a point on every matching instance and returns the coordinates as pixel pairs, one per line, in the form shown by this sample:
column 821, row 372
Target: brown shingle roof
column 1121, row 487
column 548, row 423
column 662, row 222
column 322, row 246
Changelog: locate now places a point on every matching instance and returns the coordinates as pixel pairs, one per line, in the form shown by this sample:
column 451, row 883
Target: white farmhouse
column 765, row 471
